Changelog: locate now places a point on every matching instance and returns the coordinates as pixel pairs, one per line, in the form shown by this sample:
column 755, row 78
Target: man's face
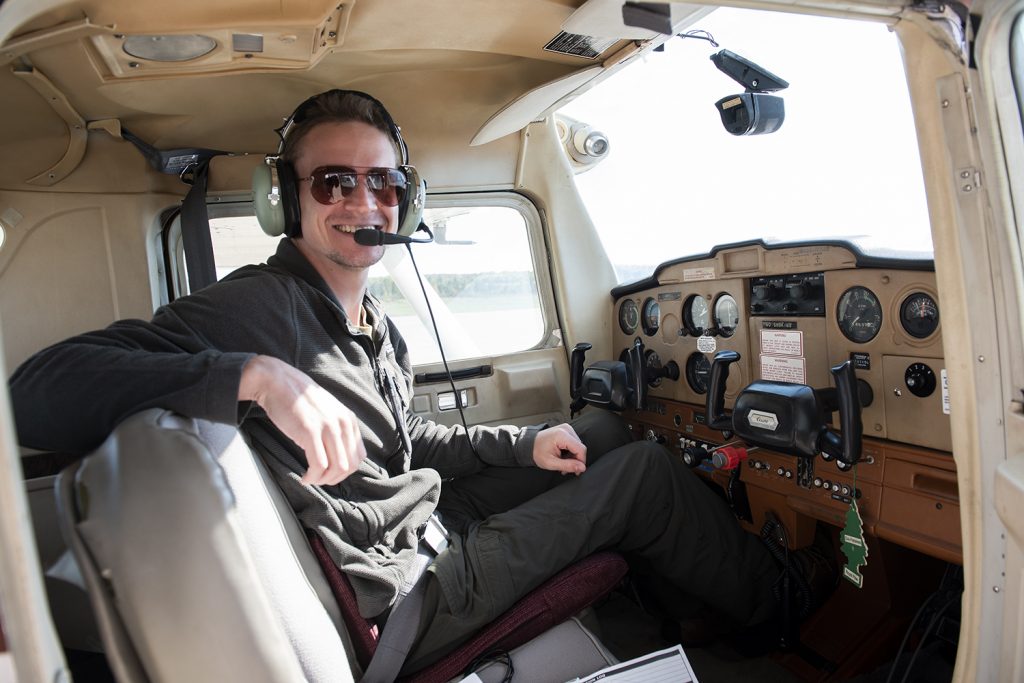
column 327, row 230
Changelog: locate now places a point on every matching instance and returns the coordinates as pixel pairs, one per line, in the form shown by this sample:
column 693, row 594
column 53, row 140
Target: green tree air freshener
column 854, row 546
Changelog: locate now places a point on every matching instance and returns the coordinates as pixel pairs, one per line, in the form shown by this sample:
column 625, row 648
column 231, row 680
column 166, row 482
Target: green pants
column 513, row 528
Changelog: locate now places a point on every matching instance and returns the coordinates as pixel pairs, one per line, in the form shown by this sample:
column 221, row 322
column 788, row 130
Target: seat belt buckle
column 434, row 535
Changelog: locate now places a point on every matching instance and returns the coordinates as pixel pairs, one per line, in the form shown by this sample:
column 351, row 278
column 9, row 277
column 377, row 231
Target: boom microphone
column 370, row 237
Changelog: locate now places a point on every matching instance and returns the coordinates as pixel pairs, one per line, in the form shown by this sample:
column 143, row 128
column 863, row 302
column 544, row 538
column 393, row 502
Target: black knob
column 789, row 307
column 693, row 456
column 800, row 290
column 764, row 292
column 920, row 379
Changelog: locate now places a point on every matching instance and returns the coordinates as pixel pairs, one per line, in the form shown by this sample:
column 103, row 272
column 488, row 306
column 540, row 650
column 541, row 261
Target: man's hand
column 307, row 414
column 559, row 448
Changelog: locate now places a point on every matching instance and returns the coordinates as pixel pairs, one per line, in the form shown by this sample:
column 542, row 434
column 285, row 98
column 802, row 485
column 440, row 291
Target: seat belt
column 195, row 231
column 400, row 630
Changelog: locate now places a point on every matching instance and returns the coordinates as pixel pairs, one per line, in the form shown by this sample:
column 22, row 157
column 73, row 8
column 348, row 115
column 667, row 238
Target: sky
column 845, row 161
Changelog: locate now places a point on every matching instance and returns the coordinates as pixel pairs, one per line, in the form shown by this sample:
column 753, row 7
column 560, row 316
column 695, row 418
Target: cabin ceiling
column 443, row 67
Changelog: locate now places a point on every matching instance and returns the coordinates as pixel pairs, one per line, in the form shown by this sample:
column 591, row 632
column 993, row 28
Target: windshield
column 675, row 183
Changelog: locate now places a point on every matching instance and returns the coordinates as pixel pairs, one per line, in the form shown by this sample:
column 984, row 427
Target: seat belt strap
column 195, row 232
column 402, row 625
column 399, row 633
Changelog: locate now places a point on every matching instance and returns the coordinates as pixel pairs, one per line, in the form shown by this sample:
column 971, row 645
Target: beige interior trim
column 26, row 613
column 518, row 113
column 77, row 133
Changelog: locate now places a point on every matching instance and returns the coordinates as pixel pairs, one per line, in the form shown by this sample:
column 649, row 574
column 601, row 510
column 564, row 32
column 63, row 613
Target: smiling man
column 301, row 356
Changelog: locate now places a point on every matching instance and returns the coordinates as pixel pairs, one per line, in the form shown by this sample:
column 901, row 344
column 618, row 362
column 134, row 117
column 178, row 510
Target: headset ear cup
column 266, row 199
column 290, row 199
column 410, row 211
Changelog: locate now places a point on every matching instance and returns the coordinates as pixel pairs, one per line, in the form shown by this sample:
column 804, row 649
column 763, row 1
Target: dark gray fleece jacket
column 189, row 359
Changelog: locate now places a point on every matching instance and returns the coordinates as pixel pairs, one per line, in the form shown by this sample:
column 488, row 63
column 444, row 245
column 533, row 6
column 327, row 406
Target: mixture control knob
column 728, row 457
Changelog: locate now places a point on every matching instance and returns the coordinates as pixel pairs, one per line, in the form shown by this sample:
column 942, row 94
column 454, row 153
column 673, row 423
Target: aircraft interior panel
column 793, row 314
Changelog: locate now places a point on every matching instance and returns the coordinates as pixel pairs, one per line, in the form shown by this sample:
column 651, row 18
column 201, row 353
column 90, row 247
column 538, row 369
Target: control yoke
column 788, row 417
column 615, row 385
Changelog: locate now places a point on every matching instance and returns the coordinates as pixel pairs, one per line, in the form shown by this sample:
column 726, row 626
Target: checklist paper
column 664, row 666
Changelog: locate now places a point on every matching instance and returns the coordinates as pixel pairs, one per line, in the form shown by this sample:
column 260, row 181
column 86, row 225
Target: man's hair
column 338, row 106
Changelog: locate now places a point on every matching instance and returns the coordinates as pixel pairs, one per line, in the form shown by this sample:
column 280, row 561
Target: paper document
column 664, row 666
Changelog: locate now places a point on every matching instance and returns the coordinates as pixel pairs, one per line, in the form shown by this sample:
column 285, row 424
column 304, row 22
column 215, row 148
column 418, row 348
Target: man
column 303, row 358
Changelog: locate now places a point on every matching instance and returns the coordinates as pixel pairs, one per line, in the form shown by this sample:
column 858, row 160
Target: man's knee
column 601, row 431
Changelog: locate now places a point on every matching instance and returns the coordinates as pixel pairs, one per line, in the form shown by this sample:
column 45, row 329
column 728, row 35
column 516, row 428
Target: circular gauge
column 653, row 362
column 698, row 370
column 629, row 316
column 727, row 315
column 651, row 316
column 696, row 317
column 919, row 315
column 859, row 314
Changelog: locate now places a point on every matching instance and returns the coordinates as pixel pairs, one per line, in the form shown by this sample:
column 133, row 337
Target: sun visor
column 603, row 18
column 518, row 113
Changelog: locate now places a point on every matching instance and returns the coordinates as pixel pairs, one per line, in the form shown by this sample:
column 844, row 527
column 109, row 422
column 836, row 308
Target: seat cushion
column 551, row 603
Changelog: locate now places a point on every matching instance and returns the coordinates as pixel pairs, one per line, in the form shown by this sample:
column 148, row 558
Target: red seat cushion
column 551, row 603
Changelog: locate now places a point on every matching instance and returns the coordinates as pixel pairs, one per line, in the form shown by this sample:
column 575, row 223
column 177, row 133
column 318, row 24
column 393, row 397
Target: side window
column 480, row 273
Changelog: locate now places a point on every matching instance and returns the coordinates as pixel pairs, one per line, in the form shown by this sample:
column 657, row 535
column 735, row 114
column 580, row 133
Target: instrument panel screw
column 945, row 104
column 965, row 174
column 333, row 34
column 133, row 65
column 897, row 392
column 995, row 589
column 981, row 359
column 968, row 187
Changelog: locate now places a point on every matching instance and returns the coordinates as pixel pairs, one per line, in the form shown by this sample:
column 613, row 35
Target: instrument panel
column 792, row 313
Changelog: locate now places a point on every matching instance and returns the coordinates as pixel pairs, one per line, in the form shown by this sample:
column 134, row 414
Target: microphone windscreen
column 368, row 237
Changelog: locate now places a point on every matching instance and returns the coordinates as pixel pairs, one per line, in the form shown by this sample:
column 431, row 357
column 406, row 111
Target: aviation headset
column 276, row 191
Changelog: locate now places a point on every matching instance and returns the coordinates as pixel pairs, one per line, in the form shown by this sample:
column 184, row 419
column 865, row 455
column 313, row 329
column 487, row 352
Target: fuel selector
column 920, row 380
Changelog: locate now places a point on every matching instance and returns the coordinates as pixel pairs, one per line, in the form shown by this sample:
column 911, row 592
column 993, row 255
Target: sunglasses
column 330, row 184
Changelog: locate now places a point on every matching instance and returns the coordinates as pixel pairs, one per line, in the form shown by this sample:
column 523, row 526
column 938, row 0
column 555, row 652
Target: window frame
column 175, row 276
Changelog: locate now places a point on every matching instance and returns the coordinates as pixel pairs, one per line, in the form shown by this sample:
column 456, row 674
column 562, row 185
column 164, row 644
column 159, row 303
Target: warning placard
column 782, row 342
column 784, row 369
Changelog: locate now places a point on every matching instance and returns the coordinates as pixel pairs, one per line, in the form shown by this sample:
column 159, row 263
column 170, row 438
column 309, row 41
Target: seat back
column 192, row 572
column 197, row 569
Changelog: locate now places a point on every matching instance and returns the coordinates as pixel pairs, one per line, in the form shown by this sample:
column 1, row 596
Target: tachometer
column 629, row 316
column 919, row 315
column 696, row 317
column 859, row 314
column 698, row 370
column 651, row 316
column 727, row 315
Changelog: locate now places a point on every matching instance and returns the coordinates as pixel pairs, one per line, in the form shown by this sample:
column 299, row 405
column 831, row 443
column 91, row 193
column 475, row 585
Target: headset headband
column 302, row 112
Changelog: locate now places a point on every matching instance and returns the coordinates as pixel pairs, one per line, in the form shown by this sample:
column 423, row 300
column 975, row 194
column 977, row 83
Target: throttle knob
column 693, row 456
